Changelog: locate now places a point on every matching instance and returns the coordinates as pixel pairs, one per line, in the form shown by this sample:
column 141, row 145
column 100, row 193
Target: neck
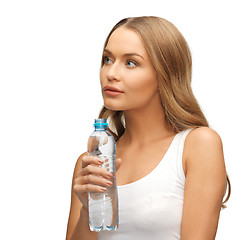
column 145, row 125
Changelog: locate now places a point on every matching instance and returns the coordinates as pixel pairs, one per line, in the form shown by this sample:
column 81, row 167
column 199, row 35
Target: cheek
column 101, row 75
column 145, row 84
column 141, row 90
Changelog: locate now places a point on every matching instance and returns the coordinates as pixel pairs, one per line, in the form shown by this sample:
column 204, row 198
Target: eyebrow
column 126, row 54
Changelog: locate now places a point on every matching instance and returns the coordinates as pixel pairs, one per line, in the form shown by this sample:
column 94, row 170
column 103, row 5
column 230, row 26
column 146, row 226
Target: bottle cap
column 100, row 123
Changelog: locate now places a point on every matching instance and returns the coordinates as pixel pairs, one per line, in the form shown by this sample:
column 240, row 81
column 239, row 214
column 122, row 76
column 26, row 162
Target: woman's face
column 128, row 68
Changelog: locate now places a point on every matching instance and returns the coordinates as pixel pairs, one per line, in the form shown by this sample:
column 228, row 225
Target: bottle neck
column 100, row 129
column 100, row 126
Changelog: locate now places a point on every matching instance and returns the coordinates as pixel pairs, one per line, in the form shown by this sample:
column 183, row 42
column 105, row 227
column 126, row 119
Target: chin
column 113, row 107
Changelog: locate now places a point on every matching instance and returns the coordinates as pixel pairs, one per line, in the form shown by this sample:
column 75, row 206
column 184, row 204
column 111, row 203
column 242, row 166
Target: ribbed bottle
column 103, row 207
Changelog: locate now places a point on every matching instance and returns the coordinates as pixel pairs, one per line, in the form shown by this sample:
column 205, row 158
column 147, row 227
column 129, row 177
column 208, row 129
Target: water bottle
column 103, row 207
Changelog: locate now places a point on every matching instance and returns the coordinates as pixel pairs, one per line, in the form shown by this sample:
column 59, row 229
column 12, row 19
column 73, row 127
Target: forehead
column 126, row 40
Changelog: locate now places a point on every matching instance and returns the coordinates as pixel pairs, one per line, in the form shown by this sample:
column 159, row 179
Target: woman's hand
column 92, row 178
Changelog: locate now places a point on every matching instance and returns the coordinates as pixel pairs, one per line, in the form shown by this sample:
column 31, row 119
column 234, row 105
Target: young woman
column 171, row 173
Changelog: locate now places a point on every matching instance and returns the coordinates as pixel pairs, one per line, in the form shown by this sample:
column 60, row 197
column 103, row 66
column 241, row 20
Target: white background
column 50, row 53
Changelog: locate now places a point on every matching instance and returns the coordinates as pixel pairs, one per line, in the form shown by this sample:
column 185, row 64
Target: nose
column 113, row 72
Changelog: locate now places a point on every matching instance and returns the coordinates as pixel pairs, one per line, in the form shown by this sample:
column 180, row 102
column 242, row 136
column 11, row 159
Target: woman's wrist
column 84, row 211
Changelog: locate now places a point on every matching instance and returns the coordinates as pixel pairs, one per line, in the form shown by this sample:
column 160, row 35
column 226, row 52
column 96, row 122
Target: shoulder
column 202, row 138
column 203, row 145
column 204, row 134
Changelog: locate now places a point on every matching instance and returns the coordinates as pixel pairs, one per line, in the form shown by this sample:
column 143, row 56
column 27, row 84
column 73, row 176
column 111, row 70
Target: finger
column 86, row 160
column 95, row 170
column 88, row 188
column 92, row 179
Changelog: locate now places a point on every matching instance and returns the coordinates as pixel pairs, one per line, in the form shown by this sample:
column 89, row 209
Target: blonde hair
column 171, row 58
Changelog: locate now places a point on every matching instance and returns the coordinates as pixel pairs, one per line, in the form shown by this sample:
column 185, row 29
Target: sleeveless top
column 151, row 207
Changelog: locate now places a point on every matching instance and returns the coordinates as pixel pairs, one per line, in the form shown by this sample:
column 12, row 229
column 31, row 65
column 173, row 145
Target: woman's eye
column 106, row 60
column 131, row 64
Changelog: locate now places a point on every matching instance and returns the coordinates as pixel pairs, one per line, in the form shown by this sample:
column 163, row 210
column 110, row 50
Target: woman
column 170, row 166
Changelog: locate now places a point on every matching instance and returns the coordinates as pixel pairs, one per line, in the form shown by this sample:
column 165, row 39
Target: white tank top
column 151, row 207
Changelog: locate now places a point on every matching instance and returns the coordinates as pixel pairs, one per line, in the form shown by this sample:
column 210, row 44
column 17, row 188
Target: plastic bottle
column 103, row 207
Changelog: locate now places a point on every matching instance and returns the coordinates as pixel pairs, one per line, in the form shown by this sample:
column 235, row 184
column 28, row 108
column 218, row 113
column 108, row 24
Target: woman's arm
column 81, row 230
column 78, row 222
column 205, row 184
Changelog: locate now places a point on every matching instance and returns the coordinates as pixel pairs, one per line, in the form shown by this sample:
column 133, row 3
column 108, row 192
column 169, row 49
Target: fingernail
column 109, row 183
column 103, row 189
column 100, row 161
column 109, row 174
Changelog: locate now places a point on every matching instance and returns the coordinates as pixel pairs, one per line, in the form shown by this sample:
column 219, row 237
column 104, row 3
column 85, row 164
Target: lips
column 112, row 91
column 112, row 88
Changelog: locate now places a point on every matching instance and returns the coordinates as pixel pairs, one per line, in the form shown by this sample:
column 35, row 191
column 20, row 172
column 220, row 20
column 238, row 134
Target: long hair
column 171, row 59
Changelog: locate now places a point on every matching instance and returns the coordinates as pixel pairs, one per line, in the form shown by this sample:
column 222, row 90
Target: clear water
column 103, row 210
column 103, row 207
